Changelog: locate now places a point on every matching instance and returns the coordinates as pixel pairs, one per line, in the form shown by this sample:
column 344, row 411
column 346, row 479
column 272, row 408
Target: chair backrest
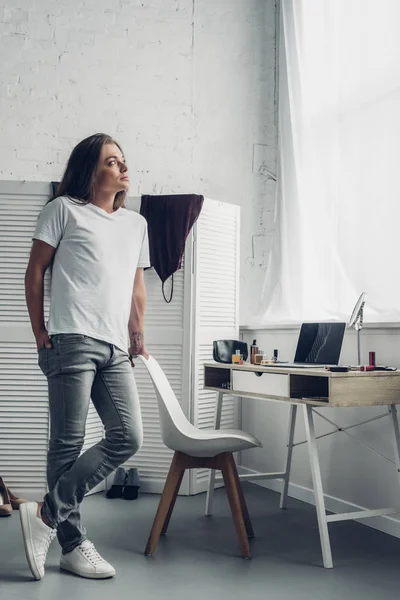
column 172, row 418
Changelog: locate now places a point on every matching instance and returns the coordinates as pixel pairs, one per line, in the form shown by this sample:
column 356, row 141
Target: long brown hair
column 78, row 179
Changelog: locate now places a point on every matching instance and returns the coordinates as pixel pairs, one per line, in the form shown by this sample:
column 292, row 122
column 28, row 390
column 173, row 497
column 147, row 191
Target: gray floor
column 199, row 558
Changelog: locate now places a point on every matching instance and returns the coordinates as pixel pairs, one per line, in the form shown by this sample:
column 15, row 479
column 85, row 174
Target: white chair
column 196, row 448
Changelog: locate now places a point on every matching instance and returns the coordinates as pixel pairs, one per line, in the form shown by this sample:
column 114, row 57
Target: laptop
column 319, row 345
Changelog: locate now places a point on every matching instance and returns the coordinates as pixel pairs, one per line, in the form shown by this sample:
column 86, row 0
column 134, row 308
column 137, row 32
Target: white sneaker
column 37, row 537
column 85, row 561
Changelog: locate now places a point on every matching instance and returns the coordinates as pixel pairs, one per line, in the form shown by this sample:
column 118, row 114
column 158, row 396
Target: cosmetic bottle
column 253, row 352
column 258, row 357
column 236, row 357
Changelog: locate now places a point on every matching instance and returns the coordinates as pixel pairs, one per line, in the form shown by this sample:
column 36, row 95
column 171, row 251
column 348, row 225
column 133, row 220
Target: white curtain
column 337, row 230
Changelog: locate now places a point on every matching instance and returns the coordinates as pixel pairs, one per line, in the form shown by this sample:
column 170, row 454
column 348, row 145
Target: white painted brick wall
column 186, row 86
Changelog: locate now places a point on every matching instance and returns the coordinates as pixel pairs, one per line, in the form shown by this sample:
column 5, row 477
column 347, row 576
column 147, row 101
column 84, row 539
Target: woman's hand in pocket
column 43, row 340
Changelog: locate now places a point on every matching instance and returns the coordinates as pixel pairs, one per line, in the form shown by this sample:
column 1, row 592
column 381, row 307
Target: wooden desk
column 311, row 388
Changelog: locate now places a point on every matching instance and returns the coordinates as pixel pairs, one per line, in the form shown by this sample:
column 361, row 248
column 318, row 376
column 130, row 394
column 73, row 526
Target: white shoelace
column 52, row 534
column 89, row 551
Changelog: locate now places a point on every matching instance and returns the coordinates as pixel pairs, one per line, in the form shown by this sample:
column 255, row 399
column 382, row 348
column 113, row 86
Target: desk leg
column 211, row 480
column 396, row 436
column 292, row 426
column 318, row 490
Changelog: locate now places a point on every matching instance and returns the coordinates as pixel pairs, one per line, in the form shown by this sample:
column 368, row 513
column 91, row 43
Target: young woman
column 97, row 251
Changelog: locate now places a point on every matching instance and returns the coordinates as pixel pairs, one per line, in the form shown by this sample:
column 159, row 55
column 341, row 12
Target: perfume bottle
column 236, row 357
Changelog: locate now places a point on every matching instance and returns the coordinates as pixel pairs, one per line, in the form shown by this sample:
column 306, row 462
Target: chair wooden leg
column 172, row 505
column 232, row 490
column 246, row 516
column 164, row 510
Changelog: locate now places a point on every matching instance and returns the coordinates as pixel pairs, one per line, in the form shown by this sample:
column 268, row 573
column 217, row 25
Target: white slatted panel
column 23, row 419
column 216, row 283
column 153, row 459
column 19, row 212
column 217, row 265
column 23, row 388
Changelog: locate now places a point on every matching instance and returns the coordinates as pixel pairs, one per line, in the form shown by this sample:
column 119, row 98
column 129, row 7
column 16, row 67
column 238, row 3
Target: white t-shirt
column 94, row 267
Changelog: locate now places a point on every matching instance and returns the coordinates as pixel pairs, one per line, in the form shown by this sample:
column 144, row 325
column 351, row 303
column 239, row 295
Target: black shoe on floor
column 132, row 485
column 117, row 487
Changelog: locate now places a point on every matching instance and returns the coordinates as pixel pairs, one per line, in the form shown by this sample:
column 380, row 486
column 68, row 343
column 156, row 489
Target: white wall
column 186, row 86
column 352, row 475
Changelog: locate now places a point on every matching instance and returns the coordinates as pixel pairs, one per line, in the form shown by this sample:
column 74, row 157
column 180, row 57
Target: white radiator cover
column 180, row 335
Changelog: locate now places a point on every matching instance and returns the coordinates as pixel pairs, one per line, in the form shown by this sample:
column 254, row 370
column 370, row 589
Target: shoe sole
column 27, row 537
column 86, row 575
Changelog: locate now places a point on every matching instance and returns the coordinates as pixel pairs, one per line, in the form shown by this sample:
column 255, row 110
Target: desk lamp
column 356, row 321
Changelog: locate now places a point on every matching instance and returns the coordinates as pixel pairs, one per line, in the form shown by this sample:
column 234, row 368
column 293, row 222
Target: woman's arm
column 136, row 319
column 40, row 258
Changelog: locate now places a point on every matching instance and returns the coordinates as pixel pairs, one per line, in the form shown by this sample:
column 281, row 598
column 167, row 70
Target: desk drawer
column 273, row 384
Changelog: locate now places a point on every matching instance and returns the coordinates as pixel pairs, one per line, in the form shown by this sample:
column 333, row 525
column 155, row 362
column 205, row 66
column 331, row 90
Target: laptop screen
column 320, row 343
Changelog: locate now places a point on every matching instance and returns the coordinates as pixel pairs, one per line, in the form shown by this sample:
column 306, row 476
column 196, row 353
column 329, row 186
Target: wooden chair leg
column 232, row 490
column 175, row 475
column 172, row 505
column 246, row 516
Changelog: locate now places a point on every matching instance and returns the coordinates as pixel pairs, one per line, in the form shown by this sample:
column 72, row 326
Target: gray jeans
column 78, row 368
